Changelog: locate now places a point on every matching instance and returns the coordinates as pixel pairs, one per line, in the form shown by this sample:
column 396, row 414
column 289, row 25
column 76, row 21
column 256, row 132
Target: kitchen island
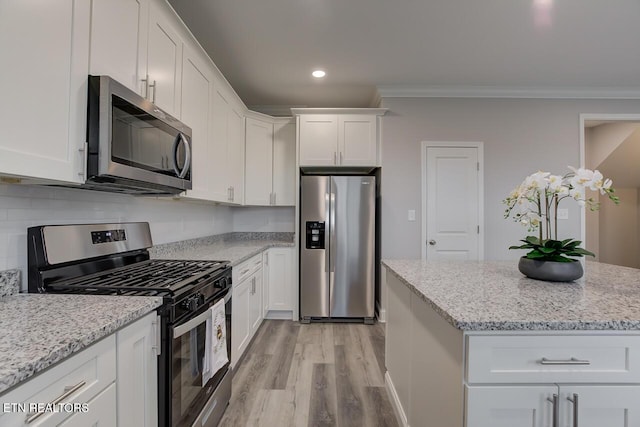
column 477, row 344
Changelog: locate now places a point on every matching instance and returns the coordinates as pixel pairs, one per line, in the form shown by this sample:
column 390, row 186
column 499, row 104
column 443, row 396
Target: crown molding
column 376, row 111
column 275, row 110
column 408, row 91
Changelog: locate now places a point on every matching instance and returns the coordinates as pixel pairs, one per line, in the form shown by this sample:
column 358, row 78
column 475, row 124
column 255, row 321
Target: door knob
column 432, row 242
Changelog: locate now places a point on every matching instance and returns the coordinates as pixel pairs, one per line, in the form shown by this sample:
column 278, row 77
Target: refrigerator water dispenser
column 315, row 235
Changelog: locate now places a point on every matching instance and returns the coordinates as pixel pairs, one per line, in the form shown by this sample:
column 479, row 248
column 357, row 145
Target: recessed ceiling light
column 318, row 74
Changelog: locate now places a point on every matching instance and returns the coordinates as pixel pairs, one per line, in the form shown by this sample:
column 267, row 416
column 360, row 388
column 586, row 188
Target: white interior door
column 452, row 203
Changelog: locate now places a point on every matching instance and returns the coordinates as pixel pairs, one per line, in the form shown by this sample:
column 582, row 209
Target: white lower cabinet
column 246, row 314
column 137, row 367
column 240, row 325
column 533, row 406
column 600, row 405
column 280, row 291
column 510, row 406
column 99, row 413
column 112, row 382
column 255, row 301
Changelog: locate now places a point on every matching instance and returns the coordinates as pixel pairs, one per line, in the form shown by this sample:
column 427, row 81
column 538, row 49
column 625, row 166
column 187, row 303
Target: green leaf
column 533, row 240
column 565, row 241
column 584, row 252
column 521, row 247
column 547, row 250
column 535, row 254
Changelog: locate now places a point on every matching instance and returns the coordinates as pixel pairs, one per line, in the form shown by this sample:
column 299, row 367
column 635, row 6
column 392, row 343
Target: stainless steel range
column 113, row 259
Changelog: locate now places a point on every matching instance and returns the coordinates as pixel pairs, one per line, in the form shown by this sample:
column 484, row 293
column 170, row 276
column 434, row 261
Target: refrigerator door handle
column 327, row 229
column 332, row 235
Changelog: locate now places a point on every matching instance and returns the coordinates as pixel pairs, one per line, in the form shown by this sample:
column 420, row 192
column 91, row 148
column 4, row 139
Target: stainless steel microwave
column 133, row 146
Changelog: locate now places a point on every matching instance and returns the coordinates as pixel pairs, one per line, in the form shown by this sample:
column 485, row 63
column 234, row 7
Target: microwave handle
column 187, row 163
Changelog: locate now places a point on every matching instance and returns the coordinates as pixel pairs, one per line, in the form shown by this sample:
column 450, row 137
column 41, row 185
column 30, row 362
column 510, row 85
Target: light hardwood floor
column 320, row 374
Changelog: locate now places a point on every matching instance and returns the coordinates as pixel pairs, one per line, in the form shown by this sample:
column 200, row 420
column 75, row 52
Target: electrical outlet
column 563, row 213
column 412, row 215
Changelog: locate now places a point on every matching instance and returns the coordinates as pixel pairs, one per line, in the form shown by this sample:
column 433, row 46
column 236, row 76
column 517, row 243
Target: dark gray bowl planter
column 551, row 271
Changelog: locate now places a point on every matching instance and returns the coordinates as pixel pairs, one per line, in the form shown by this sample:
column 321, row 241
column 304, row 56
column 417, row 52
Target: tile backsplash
column 24, row 206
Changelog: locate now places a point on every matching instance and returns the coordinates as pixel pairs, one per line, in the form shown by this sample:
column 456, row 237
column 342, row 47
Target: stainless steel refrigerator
column 337, row 250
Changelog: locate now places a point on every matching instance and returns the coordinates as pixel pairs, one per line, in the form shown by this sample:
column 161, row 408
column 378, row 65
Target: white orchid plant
column 534, row 204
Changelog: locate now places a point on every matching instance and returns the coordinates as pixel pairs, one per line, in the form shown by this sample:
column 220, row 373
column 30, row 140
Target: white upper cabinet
column 119, row 31
column 227, row 146
column 318, row 140
column 357, row 144
column 164, row 60
column 197, row 113
column 270, row 162
column 284, row 164
column 258, row 162
column 43, row 82
column 339, row 137
column 236, row 153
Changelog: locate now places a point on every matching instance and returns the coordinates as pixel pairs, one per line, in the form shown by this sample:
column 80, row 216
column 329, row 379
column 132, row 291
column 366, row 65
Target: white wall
column 520, row 136
column 170, row 220
column 281, row 219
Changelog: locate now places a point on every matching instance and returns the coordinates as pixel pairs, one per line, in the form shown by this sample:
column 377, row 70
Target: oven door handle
column 178, row 331
column 227, row 297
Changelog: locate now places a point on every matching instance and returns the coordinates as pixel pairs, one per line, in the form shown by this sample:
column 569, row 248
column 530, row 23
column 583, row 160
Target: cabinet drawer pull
column 556, row 411
column 575, row 408
column 68, row 391
column 572, row 361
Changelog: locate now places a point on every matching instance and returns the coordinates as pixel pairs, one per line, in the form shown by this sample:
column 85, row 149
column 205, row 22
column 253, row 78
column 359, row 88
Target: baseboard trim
column 279, row 315
column 395, row 401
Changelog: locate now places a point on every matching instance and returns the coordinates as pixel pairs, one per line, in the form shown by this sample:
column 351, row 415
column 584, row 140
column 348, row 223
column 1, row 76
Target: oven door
column 188, row 394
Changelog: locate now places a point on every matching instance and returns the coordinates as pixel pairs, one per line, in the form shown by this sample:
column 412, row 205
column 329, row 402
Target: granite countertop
column 482, row 296
column 235, row 249
column 41, row 330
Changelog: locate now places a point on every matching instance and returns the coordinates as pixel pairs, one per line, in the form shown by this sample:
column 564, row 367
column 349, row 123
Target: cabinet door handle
column 146, row 87
column 274, row 198
column 575, row 408
column 555, row 420
column 341, row 157
column 155, row 89
column 335, row 158
column 233, row 193
column 68, row 391
column 571, row 361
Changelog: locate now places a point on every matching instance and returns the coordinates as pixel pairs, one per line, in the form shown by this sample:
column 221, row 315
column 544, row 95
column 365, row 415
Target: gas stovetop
column 151, row 277
column 113, row 259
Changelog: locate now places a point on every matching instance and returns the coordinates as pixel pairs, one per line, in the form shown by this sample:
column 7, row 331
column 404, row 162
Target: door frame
column 595, row 116
column 423, row 166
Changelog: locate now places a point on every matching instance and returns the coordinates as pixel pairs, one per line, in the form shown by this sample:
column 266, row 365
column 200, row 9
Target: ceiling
column 267, row 49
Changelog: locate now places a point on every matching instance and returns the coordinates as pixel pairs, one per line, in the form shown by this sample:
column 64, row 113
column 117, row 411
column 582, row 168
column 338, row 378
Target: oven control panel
column 108, row 236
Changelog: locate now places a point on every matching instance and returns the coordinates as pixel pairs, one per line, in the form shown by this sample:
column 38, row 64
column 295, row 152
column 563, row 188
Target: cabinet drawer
column 553, row 358
column 247, row 268
column 88, row 372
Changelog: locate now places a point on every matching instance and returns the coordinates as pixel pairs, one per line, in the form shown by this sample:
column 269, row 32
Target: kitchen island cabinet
column 477, row 344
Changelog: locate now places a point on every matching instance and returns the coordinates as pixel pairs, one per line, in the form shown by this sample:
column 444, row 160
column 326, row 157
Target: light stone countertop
column 233, row 250
column 494, row 296
column 40, row 330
